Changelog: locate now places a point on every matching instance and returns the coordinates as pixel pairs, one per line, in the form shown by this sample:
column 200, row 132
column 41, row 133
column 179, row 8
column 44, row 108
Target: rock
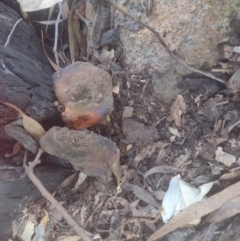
column 111, row 38
column 190, row 28
column 18, row 133
column 85, row 92
column 86, row 151
column 138, row 133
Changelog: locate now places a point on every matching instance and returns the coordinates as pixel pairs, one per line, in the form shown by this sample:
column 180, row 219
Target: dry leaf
column 28, row 231
column 198, row 210
column 65, row 10
column 234, row 82
column 67, row 182
column 81, row 178
column 34, row 5
column 158, row 194
column 29, row 124
column 225, row 158
column 69, row 238
column 116, row 168
column 71, row 34
column 127, row 112
column 16, row 148
column 226, row 211
column 106, row 57
column 181, row 160
column 162, row 169
column 142, row 154
column 177, row 109
column 141, row 194
column 55, row 67
column 90, row 16
column 230, row 176
column 174, row 131
column 116, row 89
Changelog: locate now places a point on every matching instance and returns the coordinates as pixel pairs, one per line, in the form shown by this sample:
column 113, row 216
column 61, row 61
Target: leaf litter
column 156, row 141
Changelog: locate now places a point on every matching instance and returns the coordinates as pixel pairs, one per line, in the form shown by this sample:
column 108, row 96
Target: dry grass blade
column 198, row 210
column 55, row 67
column 70, row 33
column 29, row 124
column 162, row 169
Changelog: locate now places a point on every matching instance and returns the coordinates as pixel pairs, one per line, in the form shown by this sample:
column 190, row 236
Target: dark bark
column 25, row 75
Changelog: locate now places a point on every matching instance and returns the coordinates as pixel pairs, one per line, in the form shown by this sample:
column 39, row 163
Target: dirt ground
column 195, row 136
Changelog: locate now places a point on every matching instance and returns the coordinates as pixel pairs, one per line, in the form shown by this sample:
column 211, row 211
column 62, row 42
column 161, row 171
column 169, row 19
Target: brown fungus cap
column 85, row 92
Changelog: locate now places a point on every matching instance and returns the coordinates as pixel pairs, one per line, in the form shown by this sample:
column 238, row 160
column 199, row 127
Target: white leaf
column 180, row 195
column 34, row 5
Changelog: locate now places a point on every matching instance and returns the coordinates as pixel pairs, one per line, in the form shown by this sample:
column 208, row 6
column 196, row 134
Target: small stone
column 138, row 133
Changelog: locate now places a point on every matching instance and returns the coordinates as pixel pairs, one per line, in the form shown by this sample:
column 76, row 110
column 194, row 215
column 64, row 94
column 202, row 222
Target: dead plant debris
column 156, row 151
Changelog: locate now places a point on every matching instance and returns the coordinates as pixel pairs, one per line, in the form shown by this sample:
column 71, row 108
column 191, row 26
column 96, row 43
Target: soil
column 184, row 134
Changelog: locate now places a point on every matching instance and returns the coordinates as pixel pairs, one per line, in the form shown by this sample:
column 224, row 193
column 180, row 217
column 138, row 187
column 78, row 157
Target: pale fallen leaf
column 146, row 212
column 230, row 176
column 198, row 210
column 116, row 168
column 29, row 124
column 162, row 169
column 68, row 181
column 71, row 34
column 83, row 215
column 55, row 67
column 225, row 158
column 28, row 231
column 90, row 16
column 116, row 89
column 49, row 22
column 127, row 112
column 129, row 147
column 44, row 221
column 181, row 195
column 142, row 154
column 106, row 57
column 174, row 131
column 226, row 211
column 234, row 81
column 141, row 194
column 177, row 109
column 65, row 10
column 81, row 178
column 181, row 159
column 158, row 194
column 34, row 5
column 69, row 238
column 16, row 148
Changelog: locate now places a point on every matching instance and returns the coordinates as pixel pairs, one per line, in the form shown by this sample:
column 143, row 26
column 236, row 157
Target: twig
column 50, row 198
column 56, row 37
column 9, row 36
column 162, row 42
column 82, row 18
column 232, row 126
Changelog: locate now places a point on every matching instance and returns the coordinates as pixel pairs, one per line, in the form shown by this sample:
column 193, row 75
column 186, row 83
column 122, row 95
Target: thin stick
column 50, row 198
column 162, row 42
column 9, row 36
column 56, row 37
